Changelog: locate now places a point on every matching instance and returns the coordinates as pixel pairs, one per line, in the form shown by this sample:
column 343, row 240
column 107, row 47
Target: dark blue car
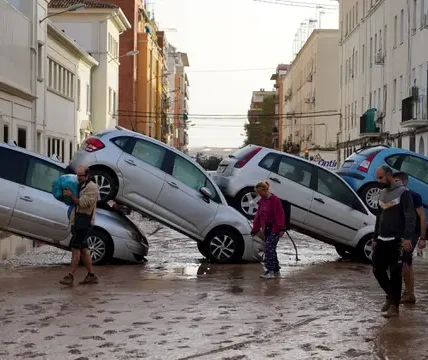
column 359, row 171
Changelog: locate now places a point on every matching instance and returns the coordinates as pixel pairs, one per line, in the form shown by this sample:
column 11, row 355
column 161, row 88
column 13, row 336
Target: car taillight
column 365, row 164
column 93, row 144
column 241, row 163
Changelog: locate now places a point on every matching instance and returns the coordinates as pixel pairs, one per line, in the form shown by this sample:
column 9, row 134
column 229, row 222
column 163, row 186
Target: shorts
column 408, row 255
column 79, row 239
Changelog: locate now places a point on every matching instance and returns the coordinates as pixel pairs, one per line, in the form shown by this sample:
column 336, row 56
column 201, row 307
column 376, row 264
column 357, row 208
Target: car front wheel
column 370, row 195
column 247, row 202
column 224, row 246
column 100, row 247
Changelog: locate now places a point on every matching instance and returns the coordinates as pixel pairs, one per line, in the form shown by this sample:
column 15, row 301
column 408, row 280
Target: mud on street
column 178, row 307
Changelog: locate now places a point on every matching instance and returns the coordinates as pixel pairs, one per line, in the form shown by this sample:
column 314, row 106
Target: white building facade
column 383, row 74
column 311, row 111
column 97, row 31
column 68, row 81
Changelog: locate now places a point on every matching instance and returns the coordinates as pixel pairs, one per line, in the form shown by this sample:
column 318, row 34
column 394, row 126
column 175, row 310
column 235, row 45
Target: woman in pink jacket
column 270, row 220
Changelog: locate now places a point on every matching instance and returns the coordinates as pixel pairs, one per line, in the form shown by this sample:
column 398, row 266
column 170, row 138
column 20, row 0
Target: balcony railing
column 15, row 54
column 414, row 111
column 368, row 124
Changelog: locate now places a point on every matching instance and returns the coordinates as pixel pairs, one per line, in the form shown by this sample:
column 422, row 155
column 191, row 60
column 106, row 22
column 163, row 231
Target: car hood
column 118, row 219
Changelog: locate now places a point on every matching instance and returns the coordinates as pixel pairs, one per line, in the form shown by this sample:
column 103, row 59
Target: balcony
column 15, row 57
column 414, row 111
column 368, row 126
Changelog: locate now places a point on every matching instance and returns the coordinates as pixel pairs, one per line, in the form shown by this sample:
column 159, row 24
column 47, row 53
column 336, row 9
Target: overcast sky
column 230, row 35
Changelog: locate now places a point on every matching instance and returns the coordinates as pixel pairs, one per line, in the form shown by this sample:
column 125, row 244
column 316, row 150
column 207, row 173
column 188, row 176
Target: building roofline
column 59, row 35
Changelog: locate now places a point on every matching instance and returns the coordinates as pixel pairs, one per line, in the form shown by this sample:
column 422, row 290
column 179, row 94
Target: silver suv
column 28, row 208
column 155, row 179
column 324, row 206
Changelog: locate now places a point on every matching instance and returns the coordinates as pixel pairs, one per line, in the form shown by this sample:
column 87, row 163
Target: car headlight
column 134, row 236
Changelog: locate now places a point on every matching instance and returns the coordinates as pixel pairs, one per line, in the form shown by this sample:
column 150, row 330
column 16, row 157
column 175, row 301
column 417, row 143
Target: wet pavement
column 179, row 307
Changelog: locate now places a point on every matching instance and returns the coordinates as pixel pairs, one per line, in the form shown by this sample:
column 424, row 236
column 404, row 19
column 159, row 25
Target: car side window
column 415, row 167
column 41, row 174
column 268, row 161
column 392, row 160
column 121, row 141
column 295, row 170
column 334, row 188
column 148, row 152
column 13, row 165
column 188, row 173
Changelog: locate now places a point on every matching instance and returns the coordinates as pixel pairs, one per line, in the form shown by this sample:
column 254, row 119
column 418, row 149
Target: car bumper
column 228, row 185
column 129, row 250
column 254, row 248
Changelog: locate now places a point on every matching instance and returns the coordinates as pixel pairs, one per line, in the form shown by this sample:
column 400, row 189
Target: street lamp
column 129, row 53
column 69, row 9
column 163, row 75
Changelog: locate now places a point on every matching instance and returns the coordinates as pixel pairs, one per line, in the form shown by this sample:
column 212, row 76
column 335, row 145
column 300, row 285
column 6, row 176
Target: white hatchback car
column 323, row 205
column 155, row 179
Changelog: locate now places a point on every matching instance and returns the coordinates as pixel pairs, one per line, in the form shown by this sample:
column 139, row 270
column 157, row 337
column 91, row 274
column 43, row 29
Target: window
column 70, row 150
column 414, row 19
column 333, row 187
column 40, row 62
column 268, row 161
column 295, row 170
column 363, row 58
column 13, row 165
column 149, row 153
column 401, row 26
column 78, row 94
column 110, row 100
column 114, row 103
column 401, row 92
column 88, row 98
column 60, row 79
column 41, row 174
column 6, row 133
column 422, row 15
column 371, row 52
column 415, row 167
column 394, row 95
column 392, row 160
column 356, row 13
column 385, row 49
column 356, row 64
column 190, row 175
column 395, row 31
column 39, row 142
column 121, row 141
column 22, row 138
column 375, row 44
column 56, row 146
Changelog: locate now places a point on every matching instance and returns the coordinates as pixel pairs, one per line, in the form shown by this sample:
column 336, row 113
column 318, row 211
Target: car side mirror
column 206, row 193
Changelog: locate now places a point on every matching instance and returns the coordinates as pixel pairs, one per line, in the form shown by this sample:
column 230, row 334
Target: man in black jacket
column 395, row 225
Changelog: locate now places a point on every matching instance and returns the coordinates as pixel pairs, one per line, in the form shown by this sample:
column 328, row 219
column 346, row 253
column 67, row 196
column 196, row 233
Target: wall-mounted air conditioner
column 379, row 58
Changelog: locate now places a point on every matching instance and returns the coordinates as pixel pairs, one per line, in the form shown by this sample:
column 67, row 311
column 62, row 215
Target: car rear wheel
column 342, row 252
column 203, row 249
column 370, row 195
column 246, row 202
column 107, row 185
column 224, row 246
column 100, row 247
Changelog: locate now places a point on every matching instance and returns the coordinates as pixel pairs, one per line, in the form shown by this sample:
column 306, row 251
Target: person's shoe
column 67, row 280
column 267, row 275
column 408, row 298
column 386, row 305
column 89, row 279
column 392, row 312
column 277, row 273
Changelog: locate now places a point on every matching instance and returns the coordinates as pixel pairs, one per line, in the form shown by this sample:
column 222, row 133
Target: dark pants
column 79, row 239
column 389, row 255
column 271, row 257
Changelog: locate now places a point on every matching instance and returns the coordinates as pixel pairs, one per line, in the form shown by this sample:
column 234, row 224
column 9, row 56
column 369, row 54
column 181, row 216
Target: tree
column 210, row 163
column 259, row 129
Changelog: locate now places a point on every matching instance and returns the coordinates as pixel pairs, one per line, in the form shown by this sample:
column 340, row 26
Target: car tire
column 363, row 251
column 224, row 246
column 203, row 249
column 369, row 196
column 107, row 185
column 342, row 252
column 246, row 202
column 100, row 246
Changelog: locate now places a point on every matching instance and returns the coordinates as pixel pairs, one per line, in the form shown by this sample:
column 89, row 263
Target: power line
column 299, row 4
column 228, row 70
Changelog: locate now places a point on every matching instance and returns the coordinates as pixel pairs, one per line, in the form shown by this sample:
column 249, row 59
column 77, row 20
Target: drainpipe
column 35, row 23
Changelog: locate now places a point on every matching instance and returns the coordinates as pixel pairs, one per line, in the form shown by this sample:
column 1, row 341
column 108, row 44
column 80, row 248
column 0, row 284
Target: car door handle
column 130, row 162
column 276, row 180
column 26, row 198
column 319, row 200
column 173, row 184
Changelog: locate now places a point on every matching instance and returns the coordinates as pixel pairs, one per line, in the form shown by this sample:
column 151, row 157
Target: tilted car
column 161, row 182
column 323, row 205
column 28, row 208
column 359, row 171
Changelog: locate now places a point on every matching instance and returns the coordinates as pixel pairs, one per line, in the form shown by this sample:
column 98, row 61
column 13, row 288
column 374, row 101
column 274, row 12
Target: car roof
column 32, row 153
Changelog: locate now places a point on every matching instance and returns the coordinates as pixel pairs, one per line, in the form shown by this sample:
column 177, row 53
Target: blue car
column 359, row 171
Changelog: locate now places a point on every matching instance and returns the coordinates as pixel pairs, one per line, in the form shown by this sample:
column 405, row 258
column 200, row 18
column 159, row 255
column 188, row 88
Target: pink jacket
column 270, row 211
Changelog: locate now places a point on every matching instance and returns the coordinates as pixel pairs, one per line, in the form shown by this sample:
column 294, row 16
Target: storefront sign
column 329, row 164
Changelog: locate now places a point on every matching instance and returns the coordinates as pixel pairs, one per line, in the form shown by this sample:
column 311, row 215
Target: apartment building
column 383, row 74
column 96, row 29
column 311, row 110
column 278, row 77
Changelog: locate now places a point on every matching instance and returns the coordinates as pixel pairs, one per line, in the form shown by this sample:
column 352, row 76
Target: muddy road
column 179, row 307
